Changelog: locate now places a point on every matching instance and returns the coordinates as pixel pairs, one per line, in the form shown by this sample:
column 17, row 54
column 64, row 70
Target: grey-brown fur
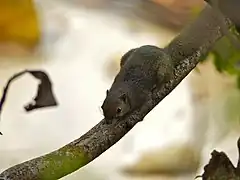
column 142, row 69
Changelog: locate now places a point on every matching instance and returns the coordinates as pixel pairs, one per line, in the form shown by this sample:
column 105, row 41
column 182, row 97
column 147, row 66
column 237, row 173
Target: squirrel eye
column 119, row 110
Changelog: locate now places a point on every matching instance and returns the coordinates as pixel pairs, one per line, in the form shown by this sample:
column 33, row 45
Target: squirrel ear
column 107, row 92
column 124, row 97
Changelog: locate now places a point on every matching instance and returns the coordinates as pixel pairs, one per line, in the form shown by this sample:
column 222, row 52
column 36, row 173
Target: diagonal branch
column 194, row 42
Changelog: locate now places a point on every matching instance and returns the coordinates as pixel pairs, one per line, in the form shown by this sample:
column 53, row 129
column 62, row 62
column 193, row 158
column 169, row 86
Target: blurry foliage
column 172, row 160
column 226, row 57
column 231, row 107
column 19, row 22
column 195, row 10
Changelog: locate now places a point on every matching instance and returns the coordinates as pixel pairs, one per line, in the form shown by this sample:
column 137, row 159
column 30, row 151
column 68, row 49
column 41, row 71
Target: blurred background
column 79, row 43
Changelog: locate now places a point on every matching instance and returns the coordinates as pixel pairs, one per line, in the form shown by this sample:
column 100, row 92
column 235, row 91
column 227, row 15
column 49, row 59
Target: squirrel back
column 142, row 70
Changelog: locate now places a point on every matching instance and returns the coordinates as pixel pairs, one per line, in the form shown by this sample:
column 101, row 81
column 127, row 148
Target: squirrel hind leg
column 126, row 56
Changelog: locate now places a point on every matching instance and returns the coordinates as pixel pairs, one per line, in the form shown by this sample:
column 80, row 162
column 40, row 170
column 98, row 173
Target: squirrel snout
column 107, row 115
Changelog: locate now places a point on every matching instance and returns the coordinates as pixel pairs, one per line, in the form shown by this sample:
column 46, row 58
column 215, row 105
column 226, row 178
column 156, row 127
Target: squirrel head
column 115, row 105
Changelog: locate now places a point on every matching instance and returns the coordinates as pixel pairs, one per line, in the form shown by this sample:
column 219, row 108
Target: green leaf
column 226, row 57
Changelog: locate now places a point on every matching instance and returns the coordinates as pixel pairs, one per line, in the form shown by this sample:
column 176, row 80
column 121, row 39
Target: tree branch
column 187, row 48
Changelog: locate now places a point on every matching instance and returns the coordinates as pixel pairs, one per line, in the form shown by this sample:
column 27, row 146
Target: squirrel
column 141, row 70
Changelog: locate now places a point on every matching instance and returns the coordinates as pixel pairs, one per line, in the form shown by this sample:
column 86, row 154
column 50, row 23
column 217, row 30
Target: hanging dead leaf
column 44, row 98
